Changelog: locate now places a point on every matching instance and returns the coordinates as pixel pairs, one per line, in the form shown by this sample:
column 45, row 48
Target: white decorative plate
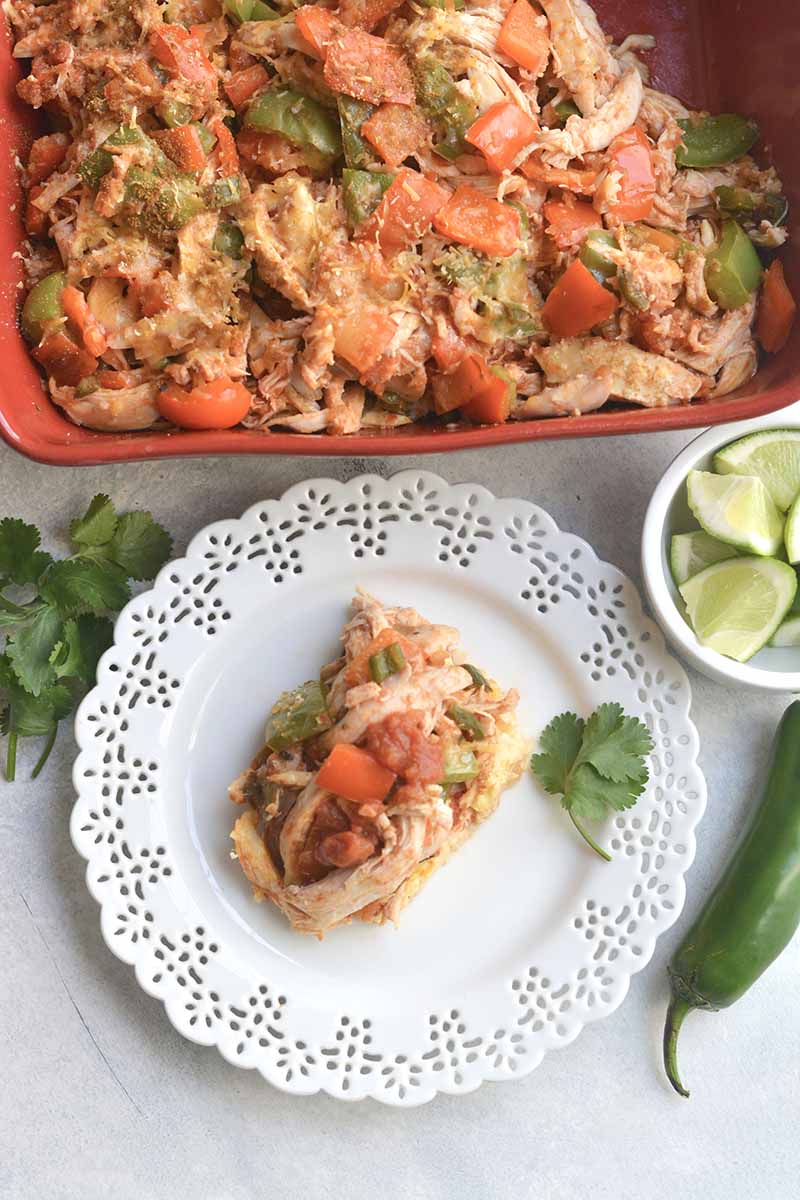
column 523, row 938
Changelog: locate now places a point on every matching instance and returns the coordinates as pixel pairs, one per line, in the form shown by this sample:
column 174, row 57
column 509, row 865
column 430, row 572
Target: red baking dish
column 722, row 55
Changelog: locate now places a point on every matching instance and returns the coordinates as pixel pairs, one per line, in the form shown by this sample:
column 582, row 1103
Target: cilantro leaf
column 139, row 545
column 596, row 767
column 21, row 560
column 85, row 639
column 614, row 744
column 85, row 585
column 31, row 649
column 560, row 743
column 97, row 525
column 33, row 716
column 590, row 795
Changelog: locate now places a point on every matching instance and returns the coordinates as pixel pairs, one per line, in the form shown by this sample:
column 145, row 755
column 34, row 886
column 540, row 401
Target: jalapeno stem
column 678, row 1008
column 588, row 838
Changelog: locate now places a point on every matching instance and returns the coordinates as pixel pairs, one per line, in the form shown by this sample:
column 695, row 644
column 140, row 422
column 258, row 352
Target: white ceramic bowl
column 771, row 670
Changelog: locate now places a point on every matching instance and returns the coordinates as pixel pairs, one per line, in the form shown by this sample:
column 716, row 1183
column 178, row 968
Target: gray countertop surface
column 100, row 1097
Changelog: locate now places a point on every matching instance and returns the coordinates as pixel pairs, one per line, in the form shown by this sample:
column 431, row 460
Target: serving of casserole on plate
column 503, row 216
column 375, row 773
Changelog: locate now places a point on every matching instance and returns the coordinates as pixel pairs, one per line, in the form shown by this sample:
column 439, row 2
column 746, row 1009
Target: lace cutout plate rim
column 532, row 956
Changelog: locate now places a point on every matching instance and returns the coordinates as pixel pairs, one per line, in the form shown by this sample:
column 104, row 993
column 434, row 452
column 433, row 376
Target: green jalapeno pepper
column 466, row 721
column 229, row 239
column 451, row 111
column 297, row 117
column 43, row 305
column 733, row 269
column 362, row 192
column 714, row 141
column 592, row 254
column 352, row 115
column 755, row 908
column 297, row 716
column 460, row 765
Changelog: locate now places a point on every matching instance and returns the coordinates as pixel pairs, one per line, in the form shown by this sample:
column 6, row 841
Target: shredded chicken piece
column 635, row 374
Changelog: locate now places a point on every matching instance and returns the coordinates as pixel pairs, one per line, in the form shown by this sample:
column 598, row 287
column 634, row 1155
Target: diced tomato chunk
column 396, row 131
column 227, row 154
column 46, row 154
column 483, row 394
column 568, row 224
column 63, row 360
column 577, row 303
column 116, row 380
column 447, row 347
column 630, row 155
column 318, row 26
column 501, row 133
column 183, row 53
column 405, row 212
column 243, row 85
column 369, row 68
column 366, row 14
column 476, row 220
column 363, row 335
column 354, row 774
column 183, row 146
column 777, row 309
column 524, row 38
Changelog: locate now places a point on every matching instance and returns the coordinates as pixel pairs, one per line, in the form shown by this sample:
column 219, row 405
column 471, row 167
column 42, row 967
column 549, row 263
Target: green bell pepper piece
column 297, row 716
column 100, row 161
column 467, row 722
column 300, row 119
column 449, row 109
column 566, row 109
column 714, row 141
column 386, row 662
column 733, row 269
column 460, row 765
column 86, row 387
column 752, row 207
column 158, row 204
column 223, row 192
column 207, row 139
column 174, row 113
column 362, row 192
column 592, row 256
column 229, row 239
column 263, row 12
column 352, row 115
column 43, row 305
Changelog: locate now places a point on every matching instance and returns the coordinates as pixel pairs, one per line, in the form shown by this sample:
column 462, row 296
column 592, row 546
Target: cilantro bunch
column 53, row 614
column 596, row 766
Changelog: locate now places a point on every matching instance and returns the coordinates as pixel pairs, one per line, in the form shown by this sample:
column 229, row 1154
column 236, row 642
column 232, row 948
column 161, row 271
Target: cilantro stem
column 588, row 838
column 11, row 756
column 43, row 757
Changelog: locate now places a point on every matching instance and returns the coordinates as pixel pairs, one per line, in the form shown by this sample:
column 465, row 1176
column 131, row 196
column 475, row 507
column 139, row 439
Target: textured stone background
column 99, row 1097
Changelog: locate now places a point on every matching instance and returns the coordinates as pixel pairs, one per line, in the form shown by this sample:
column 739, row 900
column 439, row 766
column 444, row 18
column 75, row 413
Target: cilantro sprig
column 54, row 614
column 596, row 766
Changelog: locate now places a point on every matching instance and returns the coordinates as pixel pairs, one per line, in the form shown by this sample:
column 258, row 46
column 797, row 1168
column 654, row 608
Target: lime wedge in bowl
column 788, row 634
column 691, row 553
column 736, row 606
column 773, row 456
column 791, row 534
column 736, row 509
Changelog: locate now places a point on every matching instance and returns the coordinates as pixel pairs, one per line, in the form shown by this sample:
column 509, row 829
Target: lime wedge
column 774, row 456
column 737, row 509
column 788, row 634
column 691, row 553
column 791, row 534
column 736, row 606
